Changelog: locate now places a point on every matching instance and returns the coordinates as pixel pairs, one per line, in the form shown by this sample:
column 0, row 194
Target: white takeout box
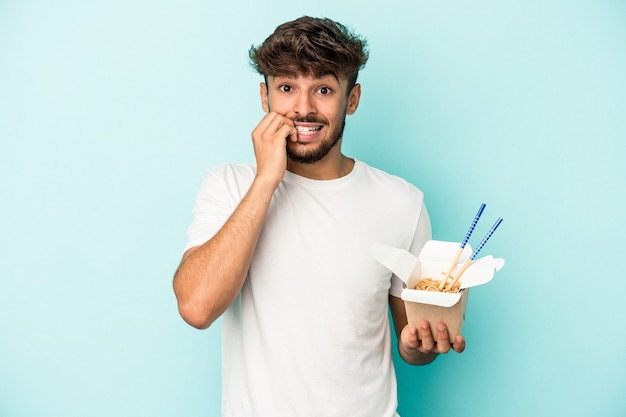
column 433, row 262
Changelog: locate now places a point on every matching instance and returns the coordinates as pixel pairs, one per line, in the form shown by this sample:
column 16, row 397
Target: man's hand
column 424, row 351
column 270, row 141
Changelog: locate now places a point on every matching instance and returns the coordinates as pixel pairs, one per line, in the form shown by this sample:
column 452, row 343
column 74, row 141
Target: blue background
column 110, row 111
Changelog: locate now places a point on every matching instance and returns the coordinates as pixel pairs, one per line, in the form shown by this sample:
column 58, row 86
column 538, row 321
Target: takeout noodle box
column 433, row 262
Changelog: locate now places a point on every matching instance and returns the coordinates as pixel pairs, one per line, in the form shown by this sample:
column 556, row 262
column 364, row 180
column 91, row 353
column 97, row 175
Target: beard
column 309, row 156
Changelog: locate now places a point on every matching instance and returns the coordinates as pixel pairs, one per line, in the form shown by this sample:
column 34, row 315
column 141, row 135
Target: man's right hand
column 270, row 140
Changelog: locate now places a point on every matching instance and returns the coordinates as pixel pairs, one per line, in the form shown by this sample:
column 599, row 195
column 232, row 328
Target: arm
column 411, row 348
column 210, row 276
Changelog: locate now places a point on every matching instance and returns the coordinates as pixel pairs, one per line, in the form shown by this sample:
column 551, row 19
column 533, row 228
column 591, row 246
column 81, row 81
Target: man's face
column 318, row 107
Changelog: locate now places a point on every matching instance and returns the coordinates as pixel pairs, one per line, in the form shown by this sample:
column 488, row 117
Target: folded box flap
column 441, row 251
column 442, row 299
column 398, row 261
column 481, row 271
column 434, row 260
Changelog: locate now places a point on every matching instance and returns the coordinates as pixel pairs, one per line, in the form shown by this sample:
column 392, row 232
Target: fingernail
column 441, row 328
column 425, row 326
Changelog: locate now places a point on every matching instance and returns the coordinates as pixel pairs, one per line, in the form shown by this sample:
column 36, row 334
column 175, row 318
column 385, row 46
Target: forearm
column 210, row 276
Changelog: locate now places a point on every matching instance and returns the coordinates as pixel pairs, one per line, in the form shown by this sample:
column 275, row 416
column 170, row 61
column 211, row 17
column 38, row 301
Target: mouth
column 307, row 131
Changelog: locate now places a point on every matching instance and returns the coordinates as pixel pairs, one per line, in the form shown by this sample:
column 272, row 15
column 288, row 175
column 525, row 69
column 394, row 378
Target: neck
column 328, row 168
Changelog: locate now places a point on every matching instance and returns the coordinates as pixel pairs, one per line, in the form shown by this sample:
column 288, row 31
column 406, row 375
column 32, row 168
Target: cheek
column 278, row 106
column 339, row 113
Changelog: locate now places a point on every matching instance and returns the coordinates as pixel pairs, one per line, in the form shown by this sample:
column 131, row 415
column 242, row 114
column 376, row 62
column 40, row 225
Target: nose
column 304, row 104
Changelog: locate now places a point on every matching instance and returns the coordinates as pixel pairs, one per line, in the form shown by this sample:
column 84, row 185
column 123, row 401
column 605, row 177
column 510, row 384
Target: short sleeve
column 221, row 192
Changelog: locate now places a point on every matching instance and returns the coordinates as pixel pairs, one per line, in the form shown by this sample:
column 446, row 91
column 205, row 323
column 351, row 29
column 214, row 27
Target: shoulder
column 244, row 170
column 229, row 178
column 394, row 184
column 229, row 173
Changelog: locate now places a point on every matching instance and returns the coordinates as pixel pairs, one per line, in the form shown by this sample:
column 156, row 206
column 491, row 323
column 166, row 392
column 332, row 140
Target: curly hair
column 311, row 46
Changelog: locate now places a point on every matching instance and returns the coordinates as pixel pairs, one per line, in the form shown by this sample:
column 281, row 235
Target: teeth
column 305, row 130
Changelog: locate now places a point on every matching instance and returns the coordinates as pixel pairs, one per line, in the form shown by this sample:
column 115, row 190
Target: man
column 280, row 248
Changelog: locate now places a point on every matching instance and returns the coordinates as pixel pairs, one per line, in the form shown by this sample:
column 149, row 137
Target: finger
column 267, row 120
column 409, row 337
column 287, row 131
column 261, row 128
column 459, row 344
column 272, row 126
column 293, row 134
column 284, row 131
column 287, row 128
column 443, row 339
column 276, row 123
column 271, row 121
column 428, row 343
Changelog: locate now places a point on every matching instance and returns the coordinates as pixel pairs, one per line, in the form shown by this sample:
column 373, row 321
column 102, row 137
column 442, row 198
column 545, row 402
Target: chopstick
column 478, row 248
column 460, row 251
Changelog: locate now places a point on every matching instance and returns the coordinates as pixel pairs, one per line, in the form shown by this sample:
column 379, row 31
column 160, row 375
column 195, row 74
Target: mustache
column 310, row 119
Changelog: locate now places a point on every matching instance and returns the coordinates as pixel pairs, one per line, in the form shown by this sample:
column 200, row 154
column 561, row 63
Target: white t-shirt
column 309, row 333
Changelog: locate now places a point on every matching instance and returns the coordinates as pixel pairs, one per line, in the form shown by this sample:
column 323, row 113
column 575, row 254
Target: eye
column 324, row 91
column 284, row 88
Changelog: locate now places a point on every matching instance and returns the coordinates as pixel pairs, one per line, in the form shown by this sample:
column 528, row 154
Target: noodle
column 429, row 284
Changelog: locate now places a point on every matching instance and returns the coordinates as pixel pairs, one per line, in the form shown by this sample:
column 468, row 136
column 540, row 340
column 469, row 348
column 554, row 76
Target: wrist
column 267, row 182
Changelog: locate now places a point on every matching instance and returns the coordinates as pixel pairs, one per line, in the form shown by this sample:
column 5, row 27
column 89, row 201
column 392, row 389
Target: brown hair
column 311, row 46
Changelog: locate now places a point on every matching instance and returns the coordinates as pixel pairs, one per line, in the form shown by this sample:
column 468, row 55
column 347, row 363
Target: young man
column 281, row 248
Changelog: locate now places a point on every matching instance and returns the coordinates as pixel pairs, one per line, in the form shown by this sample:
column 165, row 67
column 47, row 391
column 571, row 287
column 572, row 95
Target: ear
column 264, row 100
column 353, row 99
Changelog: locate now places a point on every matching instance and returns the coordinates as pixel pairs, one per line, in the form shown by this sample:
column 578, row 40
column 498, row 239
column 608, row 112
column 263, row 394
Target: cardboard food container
column 433, row 262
